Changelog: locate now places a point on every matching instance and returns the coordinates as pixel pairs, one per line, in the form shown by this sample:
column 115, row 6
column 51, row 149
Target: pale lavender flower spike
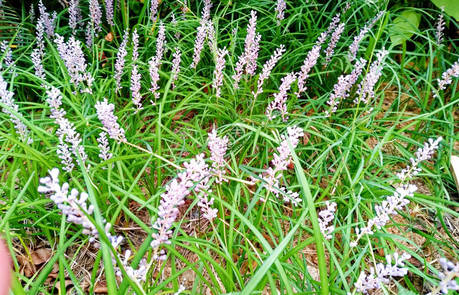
column 448, row 275
column 154, row 76
column 160, row 42
column 422, row 154
column 74, row 14
column 135, row 88
column 95, row 13
column 66, row 132
column 108, row 119
column 139, row 275
column 6, row 98
column 153, row 9
column 280, row 98
column 201, row 33
column 440, row 26
column 46, row 19
column 326, row 216
column 120, row 60
column 74, row 60
column 280, row 10
column 176, row 65
column 72, row 204
column 109, row 13
column 39, row 52
column 309, row 62
column 399, row 200
column 447, row 77
column 195, row 171
column 104, row 147
column 218, row 72
column 8, row 59
column 343, row 86
column 248, row 58
column 382, row 274
column 217, row 146
column 267, row 68
column 75, row 206
column 366, row 90
column 357, row 39
column 336, row 35
column 280, row 163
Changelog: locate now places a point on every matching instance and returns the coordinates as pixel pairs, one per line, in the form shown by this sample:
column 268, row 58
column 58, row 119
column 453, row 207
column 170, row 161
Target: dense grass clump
column 229, row 147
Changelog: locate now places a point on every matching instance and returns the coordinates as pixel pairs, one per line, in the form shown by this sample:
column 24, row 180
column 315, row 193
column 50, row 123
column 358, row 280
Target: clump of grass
column 167, row 118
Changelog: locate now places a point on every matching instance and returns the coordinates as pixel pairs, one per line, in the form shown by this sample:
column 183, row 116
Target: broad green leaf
column 451, row 7
column 404, row 26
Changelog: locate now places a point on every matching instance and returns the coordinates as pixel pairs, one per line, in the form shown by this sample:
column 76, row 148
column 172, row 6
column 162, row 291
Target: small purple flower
column 46, row 19
column 154, row 76
column 336, row 35
column 195, row 171
column 248, row 58
column 326, row 216
column 160, row 42
column 135, row 88
column 153, row 9
column 74, row 14
column 201, row 33
column 309, row 62
column 108, row 119
column 38, row 53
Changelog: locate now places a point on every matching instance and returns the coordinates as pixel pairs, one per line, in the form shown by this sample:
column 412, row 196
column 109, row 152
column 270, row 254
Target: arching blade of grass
column 261, row 272
column 315, row 224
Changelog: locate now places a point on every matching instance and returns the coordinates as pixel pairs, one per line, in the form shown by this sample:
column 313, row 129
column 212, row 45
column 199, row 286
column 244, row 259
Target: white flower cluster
column 39, row 52
column 104, row 147
column 201, row 33
column 46, row 19
column 280, row 10
column 135, row 75
column 176, row 65
column 326, row 216
column 279, row 163
column 440, row 26
column 354, row 47
column 422, row 154
column 382, row 274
